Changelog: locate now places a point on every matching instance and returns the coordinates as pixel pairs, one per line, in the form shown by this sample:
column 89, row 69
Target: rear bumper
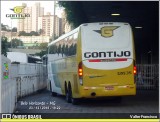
column 92, row 92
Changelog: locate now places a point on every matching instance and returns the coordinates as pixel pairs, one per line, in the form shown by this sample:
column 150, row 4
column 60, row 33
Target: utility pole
column 11, row 35
column 54, row 20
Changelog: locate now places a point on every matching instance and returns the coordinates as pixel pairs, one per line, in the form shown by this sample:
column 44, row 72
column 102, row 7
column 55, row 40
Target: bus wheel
column 74, row 101
column 54, row 94
column 68, row 95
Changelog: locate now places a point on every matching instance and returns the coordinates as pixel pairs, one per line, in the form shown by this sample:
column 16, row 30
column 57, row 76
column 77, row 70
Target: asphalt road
column 145, row 102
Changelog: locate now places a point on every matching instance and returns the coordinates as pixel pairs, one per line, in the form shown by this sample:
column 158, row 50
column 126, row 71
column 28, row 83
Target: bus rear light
column 80, row 73
column 135, row 70
column 80, row 70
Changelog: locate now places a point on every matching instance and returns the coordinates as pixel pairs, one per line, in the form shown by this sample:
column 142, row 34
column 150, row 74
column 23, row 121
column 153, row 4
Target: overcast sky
column 7, row 5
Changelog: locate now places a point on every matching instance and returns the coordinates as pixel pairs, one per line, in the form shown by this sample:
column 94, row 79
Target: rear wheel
column 54, row 94
column 68, row 95
column 74, row 101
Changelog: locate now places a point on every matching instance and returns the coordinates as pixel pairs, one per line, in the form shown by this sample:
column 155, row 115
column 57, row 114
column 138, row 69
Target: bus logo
column 107, row 31
column 18, row 13
column 18, row 9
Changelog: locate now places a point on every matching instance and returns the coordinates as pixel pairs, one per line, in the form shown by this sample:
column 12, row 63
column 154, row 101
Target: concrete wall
column 19, row 80
column 8, row 87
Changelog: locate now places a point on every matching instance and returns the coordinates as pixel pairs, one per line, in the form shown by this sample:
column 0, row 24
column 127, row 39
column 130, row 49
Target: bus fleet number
column 125, row 73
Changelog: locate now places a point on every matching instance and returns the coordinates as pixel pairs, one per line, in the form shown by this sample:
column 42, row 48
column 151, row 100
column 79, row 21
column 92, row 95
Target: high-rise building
column 30, row 23
column 46, row 23
column 37, row 11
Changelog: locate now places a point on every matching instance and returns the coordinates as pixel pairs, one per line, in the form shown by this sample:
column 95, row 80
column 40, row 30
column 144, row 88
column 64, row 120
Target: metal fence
column 147, row 77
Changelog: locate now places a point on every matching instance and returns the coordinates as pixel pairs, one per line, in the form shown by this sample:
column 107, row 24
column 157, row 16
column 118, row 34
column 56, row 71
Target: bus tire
column 54, row 94
column 68, row 95
column 74, row 101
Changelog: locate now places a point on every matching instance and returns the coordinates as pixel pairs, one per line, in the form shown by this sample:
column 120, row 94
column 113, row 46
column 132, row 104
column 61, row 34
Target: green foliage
column 15, row 42
column 74, row 12
column 14, row 29
column 40, row 31
column 3, row 27
column 43, row 45
column 42, row 53
column 6, row 28
column 32, row 33
column 4, row 46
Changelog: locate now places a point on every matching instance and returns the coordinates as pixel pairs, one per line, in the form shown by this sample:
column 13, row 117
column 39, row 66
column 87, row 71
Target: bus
column 94, row 60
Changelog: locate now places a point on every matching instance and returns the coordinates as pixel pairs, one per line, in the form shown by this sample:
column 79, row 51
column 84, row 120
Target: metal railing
column 147, row 77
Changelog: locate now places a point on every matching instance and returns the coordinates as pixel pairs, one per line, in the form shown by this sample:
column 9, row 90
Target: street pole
column 54, row 20
column 11, row 35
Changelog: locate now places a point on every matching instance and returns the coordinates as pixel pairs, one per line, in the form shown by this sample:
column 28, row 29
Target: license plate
column 109, row 88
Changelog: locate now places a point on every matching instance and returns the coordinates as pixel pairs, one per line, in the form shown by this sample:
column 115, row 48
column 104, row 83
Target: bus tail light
column 80, row 73
column 135, row 70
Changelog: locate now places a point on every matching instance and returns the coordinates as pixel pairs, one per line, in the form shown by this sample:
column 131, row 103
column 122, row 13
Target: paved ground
column 145, row 102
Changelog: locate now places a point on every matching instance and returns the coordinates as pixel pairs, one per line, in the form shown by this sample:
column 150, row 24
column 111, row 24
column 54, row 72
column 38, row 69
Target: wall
column 19, row 80
column 8, row 88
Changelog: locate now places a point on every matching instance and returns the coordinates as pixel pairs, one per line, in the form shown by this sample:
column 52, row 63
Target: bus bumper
column 91, row 92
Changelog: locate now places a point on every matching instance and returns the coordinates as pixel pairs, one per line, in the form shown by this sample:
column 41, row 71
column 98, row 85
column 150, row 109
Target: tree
column 16, row 42
column 3, row 27
column 74, row 14
column 42, row 53
column 22, row 33
column 33, row 33
column 43, row 46
column 4, row 46
column 14, row 29
column 40, row 31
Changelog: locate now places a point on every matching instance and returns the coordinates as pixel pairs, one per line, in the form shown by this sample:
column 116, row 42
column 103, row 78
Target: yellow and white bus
column 93, row 60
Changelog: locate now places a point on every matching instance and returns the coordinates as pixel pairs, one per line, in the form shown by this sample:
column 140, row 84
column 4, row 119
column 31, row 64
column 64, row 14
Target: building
column 46, row 23
column 30, row 23
column 37, row 11
column 66, row 26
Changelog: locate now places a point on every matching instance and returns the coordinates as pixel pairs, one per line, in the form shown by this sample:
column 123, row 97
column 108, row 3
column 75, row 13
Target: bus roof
column 85, row 24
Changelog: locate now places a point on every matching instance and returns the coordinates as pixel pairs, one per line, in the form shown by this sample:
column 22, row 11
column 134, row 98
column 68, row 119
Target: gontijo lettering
column 107, row 54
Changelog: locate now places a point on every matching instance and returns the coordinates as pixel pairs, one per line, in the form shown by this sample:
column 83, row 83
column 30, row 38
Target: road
column 145, row 102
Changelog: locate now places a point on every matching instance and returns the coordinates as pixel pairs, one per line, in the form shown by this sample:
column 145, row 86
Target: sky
column 7, row 5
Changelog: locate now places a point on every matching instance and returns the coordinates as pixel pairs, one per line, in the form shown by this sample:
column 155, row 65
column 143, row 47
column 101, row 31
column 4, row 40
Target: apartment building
column 46, row 23
column 30, row 23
